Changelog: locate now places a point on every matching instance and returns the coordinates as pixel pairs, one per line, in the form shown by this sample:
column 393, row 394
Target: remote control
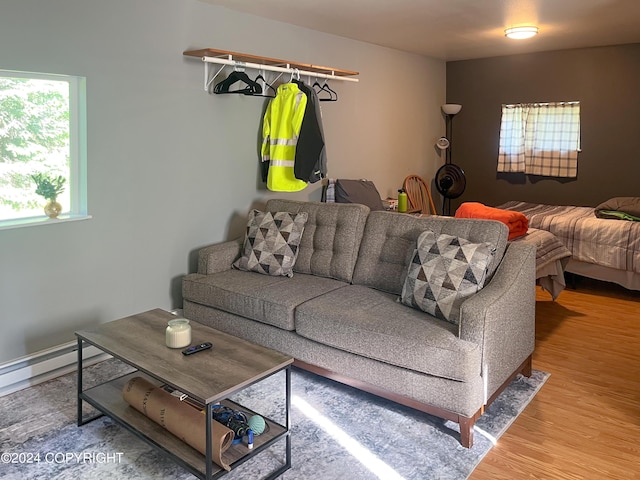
column 197, row 348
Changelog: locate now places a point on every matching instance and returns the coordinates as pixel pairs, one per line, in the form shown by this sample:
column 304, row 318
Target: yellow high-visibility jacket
column 280, row 130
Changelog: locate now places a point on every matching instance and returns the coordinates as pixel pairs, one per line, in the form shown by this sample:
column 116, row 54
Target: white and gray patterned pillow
column 443, row 272
column 271, row 242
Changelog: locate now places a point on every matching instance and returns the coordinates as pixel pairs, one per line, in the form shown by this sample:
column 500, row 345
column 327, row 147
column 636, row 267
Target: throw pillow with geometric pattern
column 271, row 242
column 443, row 272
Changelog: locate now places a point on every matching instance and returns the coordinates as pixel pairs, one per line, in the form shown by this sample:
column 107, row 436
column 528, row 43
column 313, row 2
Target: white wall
column 171, row 168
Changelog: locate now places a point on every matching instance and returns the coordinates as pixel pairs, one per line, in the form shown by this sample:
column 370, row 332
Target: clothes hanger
column 333, row 96
column 295, row 76
column 267, row 85
column 252, row 87
column 333, row 93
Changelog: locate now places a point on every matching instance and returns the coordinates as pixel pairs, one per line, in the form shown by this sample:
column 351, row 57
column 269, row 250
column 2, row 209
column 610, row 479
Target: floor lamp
column 450, row 180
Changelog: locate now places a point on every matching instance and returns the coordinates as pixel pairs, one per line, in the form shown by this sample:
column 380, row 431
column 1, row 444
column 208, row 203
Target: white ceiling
column 459, row 29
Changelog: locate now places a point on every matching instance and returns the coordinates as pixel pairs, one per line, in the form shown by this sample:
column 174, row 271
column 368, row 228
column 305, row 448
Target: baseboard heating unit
column 44, row 365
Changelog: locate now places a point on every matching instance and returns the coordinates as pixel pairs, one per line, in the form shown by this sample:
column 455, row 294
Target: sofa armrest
column 219, row 257
column 501, row 317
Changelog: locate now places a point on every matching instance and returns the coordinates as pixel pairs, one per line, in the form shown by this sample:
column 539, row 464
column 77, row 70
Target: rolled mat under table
column 177, row 417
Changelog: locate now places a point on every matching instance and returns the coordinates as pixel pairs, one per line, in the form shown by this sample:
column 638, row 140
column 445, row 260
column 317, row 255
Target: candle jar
column 178, row 333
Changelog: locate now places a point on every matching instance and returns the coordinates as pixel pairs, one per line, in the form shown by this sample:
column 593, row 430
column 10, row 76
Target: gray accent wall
column 171, row 168
column 605, row 80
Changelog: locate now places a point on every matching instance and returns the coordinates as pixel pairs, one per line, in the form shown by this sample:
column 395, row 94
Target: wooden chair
column 419, row 195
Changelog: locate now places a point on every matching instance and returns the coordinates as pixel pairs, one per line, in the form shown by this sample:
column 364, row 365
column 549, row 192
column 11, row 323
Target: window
column 42, row 131
column 540, row 139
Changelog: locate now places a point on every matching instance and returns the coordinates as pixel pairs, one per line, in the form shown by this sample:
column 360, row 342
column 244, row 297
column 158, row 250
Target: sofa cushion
column 373, row 324
column 331, row 238
column 444, row 271
column 271, row 242
column 390, row 238
column 263, row 298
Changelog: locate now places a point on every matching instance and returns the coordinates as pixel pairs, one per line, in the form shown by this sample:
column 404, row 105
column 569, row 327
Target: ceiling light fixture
column 520, row 33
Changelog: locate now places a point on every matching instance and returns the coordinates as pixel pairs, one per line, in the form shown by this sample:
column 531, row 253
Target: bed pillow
column 271, row 242
column 620, row 208
column 443, row 272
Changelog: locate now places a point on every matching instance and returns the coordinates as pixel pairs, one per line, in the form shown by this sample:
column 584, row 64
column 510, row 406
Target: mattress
column 551, row 259
column 610, row 243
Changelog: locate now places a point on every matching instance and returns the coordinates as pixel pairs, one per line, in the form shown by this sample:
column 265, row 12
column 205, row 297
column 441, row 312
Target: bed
column 601, row 248
column 552, row 255
column 551, row 260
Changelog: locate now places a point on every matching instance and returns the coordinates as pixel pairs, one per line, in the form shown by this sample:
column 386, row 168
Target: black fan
column 450, row 182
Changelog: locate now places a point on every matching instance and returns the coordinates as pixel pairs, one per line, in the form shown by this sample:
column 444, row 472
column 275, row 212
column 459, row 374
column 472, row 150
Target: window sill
column 37, row 221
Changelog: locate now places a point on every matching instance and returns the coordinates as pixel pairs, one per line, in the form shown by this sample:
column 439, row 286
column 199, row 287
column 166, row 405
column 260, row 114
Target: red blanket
column 516, row 221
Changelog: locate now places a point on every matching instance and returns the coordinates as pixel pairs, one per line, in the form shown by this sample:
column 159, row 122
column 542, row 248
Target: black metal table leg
column 288, row 413
column 208, row 443
column 81, row 419
column 79, row 382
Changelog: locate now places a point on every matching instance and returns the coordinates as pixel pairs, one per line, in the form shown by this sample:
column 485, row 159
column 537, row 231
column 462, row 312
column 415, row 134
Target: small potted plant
column 50, row 187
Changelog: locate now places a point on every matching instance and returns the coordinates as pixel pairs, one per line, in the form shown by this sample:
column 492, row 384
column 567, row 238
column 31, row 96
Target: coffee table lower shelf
column 107, row 398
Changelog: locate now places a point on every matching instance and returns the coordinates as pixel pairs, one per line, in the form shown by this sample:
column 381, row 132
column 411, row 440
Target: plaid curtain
column 540, row 139
column 511, row 152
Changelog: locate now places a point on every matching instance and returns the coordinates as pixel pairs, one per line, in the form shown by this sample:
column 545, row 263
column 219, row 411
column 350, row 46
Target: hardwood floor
column 585, row 421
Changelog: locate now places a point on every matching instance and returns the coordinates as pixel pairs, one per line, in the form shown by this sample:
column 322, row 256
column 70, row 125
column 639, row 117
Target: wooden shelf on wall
column 275, row 62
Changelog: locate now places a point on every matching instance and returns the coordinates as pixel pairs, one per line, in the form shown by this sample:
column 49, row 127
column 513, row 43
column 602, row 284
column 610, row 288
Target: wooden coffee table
column 208, row 377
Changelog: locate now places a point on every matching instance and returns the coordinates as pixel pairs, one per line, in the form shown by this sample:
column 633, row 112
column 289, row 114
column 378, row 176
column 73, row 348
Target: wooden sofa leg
column 527, row 367
column 467, row 423
column 466, row 431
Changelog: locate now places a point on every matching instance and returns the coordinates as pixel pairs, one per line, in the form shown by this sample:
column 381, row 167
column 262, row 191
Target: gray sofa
column 339, row 317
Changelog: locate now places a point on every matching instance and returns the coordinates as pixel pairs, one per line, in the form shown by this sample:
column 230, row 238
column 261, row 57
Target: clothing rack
column 242, row 60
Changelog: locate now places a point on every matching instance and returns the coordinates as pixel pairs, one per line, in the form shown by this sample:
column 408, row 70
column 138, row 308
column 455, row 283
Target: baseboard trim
column 45, row 365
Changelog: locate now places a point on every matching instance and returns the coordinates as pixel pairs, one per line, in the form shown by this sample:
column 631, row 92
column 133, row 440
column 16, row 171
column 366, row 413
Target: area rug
column 337, row 432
